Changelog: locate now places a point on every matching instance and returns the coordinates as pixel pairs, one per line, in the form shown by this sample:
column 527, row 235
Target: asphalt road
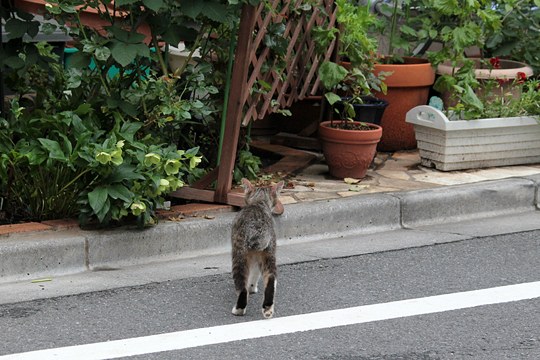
column 499, row 331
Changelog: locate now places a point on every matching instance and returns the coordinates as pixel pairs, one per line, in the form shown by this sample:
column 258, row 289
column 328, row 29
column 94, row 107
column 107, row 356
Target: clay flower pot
column 349, row 153
column 408, row 86
column 89, row 16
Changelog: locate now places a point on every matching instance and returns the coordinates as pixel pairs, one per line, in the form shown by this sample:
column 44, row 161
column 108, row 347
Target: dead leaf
column 209, row 217
column 177, row 218
column 41, row 280
column 351, row 181
column 357, row 188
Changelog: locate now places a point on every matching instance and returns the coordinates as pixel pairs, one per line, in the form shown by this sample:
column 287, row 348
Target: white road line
column 286, row 325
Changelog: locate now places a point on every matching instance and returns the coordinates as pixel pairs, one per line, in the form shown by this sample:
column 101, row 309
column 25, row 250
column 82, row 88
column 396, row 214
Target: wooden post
column 235, row 109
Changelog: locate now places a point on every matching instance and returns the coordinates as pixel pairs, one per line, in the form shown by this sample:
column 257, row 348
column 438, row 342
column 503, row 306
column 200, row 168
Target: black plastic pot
column 371, row 110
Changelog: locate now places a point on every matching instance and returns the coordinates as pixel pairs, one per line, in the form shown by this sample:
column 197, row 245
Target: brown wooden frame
column 297, row 81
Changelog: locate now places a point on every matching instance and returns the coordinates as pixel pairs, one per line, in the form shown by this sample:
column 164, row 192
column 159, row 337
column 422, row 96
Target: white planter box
column 469, row 144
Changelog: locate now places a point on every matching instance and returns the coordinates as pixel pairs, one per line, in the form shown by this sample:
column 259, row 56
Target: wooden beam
column 235, row 108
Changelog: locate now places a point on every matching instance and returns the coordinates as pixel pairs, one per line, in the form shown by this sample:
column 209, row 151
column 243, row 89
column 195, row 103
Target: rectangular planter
column 469, row 144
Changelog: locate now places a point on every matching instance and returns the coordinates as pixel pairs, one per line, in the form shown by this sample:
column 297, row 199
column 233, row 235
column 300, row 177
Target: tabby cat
column 254, row 246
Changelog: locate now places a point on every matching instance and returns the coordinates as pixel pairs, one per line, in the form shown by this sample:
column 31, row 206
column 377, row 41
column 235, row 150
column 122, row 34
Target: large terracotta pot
column 408, row 86
column 349, row 153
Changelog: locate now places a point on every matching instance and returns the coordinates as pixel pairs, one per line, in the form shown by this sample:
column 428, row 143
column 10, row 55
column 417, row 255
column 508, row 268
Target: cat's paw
column 268, row 311
column 238, row 312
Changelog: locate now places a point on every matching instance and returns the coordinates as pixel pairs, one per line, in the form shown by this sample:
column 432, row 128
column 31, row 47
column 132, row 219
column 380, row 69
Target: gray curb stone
column 463, row 202
column 50, row 253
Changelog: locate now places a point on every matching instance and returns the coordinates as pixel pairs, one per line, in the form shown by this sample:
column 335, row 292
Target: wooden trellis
column 256, row 64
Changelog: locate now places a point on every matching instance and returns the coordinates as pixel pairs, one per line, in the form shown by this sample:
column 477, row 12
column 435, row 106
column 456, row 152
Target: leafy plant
column 496, row 100
column 71, row 166
column 109, row 127
column 519, row 36
column 357, row 46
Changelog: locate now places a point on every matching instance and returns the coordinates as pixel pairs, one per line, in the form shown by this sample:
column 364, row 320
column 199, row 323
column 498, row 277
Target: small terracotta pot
column 408, row 86
column 349, row 153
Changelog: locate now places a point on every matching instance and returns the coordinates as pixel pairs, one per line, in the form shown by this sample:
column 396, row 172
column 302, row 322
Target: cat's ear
column 278, row 208
column 278, row 187
column 247, row 185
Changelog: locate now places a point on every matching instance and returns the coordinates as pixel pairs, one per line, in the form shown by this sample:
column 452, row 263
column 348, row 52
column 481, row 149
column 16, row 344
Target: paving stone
column 407, row 155
column 285, row 200
column 452, row 178
column 394, row 174
column 311, row 196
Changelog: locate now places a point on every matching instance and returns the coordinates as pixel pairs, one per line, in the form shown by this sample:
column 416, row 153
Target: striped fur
column 254, row 246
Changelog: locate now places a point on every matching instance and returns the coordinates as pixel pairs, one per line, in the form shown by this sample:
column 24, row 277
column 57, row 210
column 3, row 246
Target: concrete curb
column 52, row 253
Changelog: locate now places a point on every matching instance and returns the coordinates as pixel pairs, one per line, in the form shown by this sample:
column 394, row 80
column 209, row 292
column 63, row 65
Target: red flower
column 502, row 81
column 495, row 62
column 521, row 77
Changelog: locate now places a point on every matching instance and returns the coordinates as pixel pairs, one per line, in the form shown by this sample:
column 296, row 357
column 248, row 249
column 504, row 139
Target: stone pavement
column 390, row 172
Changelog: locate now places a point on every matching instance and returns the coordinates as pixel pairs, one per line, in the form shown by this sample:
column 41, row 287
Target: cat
column 254, row 246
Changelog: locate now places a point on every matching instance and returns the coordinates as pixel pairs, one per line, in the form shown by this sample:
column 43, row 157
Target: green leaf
column 154, row 5
column 97, row 199
column 15, row 28
column 177, row 33
column 125, row 172
column 129, row 129
column 14, row 62
column 118, row 191
column 129, row 37
column 102, row 53
column 123, row 53
column 83, row 109
column 125, row 2
column 212, row 10
column 54, row 149
column 104, row 210
column 192, row 8
column 408, row 30
column 331, row 74
column 332, row 98
column 470, row 98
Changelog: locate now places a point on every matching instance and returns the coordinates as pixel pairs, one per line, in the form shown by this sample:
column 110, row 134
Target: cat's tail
column 260, row 243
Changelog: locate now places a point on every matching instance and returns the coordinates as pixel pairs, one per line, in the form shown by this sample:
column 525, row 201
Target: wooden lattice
column 298, row 77
column 255, row 63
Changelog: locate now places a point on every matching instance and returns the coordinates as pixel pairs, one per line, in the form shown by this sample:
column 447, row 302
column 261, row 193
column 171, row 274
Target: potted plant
column 467, row 35
column 410, row 75
column 348, row 145
column 498, row 131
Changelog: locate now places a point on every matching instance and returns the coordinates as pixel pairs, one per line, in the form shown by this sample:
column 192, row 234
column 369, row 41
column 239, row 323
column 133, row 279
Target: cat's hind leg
column 270, row 282
column 254, row 263
column 240, row 275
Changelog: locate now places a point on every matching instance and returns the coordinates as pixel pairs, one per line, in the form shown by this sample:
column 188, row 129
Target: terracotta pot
column 349, row 153
column 89, row 16
column 508, row 72
column 408, row 86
